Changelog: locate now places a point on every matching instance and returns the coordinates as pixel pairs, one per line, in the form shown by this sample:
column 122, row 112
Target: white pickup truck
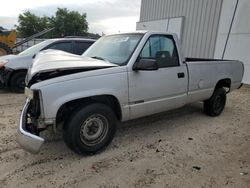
column 119, row 78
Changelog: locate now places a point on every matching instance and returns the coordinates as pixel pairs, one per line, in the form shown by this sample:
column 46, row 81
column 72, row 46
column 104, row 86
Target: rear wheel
column 90, row 129
column 4, row 49
column 215, row 105
column 17, row 82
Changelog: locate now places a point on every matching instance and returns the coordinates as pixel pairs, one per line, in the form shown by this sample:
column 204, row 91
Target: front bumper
column 27, row 140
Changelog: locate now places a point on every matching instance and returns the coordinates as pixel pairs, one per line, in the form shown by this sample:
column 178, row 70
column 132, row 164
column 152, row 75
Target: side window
column 64, row 46
column 162, row 49
column 81, row 47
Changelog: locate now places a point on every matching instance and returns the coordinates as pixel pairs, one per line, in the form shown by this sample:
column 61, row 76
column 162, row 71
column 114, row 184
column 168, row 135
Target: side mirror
column 146, row 65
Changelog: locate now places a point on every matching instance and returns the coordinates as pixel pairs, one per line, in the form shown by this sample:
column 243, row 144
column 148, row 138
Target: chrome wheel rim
column 94, row 129
column 219, row 103
column 21, row 83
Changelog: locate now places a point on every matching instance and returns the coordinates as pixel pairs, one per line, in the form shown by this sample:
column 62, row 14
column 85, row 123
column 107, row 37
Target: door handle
column 181, row 75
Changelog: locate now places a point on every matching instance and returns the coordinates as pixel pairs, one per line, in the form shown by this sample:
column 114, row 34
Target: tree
column 68, row 23
column 30, row 24
column 65, row 23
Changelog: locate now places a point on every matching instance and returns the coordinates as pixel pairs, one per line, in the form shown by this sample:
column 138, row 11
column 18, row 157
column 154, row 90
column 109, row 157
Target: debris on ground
column 196, row 167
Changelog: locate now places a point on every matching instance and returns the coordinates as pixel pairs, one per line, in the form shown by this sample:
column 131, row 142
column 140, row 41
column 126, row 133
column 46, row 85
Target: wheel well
column 15, row 72
column 224, row 83
column 66, row 109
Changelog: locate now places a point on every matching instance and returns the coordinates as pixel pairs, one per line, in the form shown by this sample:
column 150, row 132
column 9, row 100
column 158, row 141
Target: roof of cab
column 73, row 39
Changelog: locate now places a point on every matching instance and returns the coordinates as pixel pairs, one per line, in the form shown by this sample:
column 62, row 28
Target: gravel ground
column 180, row 148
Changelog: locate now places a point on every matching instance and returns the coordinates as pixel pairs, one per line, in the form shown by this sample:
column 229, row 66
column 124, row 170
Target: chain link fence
column 26, row 45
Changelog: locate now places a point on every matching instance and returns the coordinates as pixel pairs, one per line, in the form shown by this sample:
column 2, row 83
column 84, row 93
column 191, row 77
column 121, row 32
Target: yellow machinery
column 7, row 41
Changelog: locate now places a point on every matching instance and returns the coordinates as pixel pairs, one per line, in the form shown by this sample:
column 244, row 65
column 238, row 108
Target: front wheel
column 17, row 82
column 215, row 105
column 90, row 129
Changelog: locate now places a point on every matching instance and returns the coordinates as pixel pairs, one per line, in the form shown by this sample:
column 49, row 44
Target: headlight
column 3, row 62
column 29, row 93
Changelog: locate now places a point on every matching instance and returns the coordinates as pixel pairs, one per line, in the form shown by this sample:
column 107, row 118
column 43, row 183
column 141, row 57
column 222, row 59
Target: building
column 206, row 28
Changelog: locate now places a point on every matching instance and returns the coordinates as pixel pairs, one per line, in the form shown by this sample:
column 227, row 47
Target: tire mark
column 7, row 177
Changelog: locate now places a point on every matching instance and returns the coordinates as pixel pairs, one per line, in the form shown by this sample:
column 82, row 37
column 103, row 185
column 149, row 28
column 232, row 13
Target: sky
column 107, row 16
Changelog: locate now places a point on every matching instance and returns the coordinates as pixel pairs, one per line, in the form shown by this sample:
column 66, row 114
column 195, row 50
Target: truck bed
column 204, row 74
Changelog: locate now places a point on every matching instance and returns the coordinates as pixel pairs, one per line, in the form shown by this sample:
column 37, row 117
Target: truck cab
column 165, row 87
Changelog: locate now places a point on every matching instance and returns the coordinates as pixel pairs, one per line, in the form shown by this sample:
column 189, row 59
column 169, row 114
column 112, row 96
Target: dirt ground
column 181, row 148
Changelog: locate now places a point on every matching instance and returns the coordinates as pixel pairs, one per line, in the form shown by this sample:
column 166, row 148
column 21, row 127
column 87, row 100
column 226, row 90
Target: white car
column 13, row 68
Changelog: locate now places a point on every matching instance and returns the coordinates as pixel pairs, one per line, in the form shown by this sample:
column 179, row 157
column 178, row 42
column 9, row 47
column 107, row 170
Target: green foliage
column 68, row 23
column 30, row 24
column 65, row 22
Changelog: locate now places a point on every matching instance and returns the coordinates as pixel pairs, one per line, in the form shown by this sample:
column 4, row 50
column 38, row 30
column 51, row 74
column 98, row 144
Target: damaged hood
column 50, row 60
column 56, row 61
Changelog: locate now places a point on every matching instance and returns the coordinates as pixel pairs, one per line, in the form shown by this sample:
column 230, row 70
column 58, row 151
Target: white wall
column 201, row 19
column 171, row 25
column 175, row 25
column 156, row 25
column 238, row 46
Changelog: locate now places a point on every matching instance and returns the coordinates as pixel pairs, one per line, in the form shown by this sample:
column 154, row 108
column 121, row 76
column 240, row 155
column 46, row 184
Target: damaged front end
column 29, row 129
column 46, row 75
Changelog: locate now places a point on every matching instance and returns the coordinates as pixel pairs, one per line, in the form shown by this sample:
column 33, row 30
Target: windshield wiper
column 100, row 58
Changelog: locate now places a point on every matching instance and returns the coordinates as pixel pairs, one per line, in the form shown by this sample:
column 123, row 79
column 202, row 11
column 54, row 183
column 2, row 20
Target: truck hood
column 53, row 63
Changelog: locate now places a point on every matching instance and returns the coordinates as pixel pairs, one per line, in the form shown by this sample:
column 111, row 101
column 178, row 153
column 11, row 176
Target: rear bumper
column 27, row 140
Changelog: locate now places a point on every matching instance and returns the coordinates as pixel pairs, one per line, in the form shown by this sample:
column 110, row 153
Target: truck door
column 154, row 91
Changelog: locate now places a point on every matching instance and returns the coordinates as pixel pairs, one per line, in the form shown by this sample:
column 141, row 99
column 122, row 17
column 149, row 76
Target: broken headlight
column 29, row 93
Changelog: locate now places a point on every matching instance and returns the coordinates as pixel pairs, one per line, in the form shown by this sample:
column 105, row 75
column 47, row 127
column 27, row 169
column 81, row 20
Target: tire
column 90, row 129
column 215, row 105
column 17, row 82
column 4, row 49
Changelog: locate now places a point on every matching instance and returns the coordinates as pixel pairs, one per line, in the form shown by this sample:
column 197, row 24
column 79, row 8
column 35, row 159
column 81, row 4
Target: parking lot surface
column 180, row 148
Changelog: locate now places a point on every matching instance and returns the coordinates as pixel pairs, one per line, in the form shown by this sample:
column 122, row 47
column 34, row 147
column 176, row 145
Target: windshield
column 116, row 49
column 35, row 49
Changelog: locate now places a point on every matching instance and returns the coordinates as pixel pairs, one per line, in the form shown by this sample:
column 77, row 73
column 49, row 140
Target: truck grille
column 35, row 109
